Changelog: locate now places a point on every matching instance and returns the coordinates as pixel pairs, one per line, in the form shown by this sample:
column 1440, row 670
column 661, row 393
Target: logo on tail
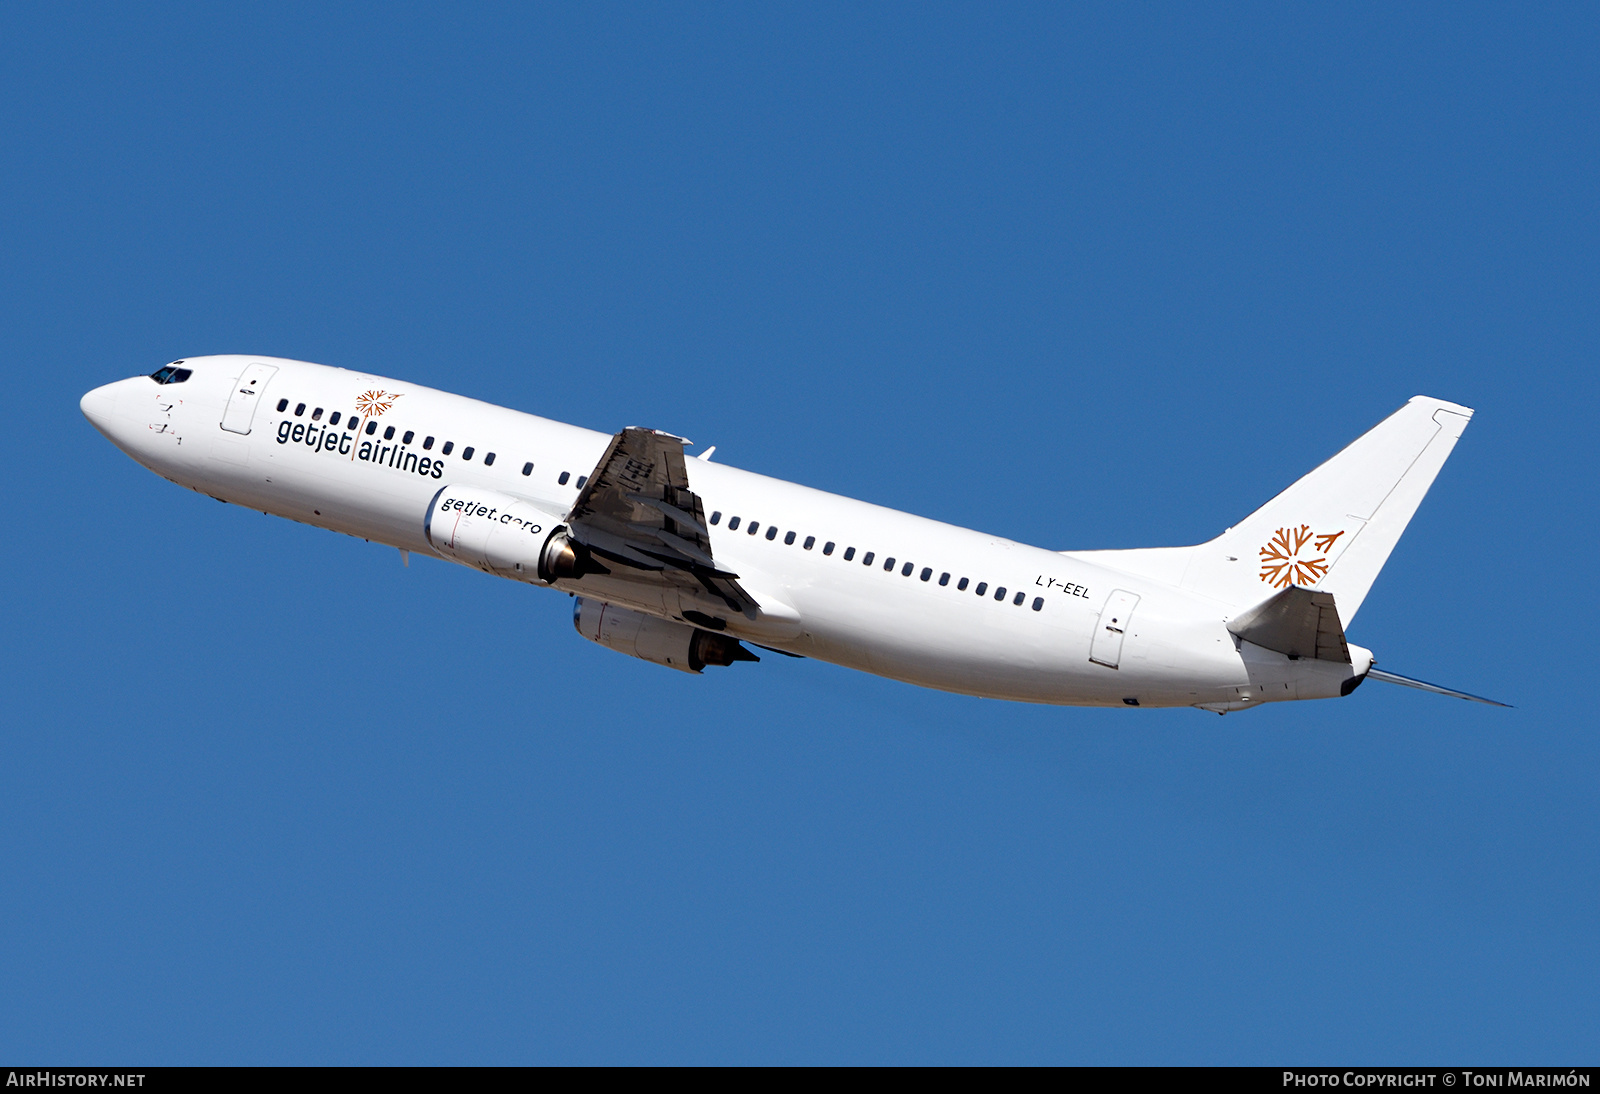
column 1288, row 560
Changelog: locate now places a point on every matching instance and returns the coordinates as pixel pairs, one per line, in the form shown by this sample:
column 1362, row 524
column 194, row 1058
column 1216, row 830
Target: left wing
column 637, row 510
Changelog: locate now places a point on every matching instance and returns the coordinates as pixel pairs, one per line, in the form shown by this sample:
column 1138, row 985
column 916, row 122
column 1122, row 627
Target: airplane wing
column 637, row 510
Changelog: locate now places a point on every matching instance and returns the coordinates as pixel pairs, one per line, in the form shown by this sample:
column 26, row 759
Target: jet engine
column 496, row 532
column 564, row 556
column 676, row 645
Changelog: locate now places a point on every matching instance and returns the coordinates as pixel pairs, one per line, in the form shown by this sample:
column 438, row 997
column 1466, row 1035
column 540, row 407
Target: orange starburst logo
column 1287, row 560
column 372, row 404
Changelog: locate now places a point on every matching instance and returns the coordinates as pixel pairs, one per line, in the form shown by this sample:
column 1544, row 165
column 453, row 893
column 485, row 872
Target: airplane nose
column 100, row 406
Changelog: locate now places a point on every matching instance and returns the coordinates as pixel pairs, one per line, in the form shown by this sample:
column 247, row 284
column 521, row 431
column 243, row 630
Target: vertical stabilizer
column 1333, row 530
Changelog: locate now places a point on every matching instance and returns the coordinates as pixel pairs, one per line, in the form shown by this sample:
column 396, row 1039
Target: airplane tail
column 1332, row 531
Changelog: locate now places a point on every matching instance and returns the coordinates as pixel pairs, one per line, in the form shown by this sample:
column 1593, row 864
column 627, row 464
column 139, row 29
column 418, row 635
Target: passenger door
column 1106, row 649
column 241, row 408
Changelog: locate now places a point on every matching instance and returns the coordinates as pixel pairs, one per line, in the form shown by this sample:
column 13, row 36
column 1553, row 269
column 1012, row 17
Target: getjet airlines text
column 321, row 438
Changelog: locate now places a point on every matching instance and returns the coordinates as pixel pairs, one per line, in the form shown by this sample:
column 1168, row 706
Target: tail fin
column 1331, row 531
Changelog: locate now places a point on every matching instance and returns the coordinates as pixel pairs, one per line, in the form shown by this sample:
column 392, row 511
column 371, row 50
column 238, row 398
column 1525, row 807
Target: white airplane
column 681, row 561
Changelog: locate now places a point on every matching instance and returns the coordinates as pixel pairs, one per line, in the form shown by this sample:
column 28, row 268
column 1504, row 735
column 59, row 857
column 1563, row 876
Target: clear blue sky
column 1090, row 277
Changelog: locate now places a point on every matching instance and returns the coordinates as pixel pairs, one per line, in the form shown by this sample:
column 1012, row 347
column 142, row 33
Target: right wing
column 638, row 511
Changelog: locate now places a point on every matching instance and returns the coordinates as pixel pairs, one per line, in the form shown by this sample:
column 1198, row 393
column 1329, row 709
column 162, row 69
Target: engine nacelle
column 491, row 531
column 676, row 645
column 565, row 557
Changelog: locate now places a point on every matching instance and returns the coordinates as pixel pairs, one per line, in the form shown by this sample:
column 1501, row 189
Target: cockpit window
column 171, row 374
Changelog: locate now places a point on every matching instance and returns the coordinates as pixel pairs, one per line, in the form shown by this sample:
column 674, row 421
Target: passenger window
column 1000, row 593
column 1038, row 602
column 811, row 541
column 733, row 524
column 299, row 410
column 772, row 531
column 527, row 469
column 944, row 579
column 488, row 461
column 448, row 445
column 333, row 419
column 350, row 423
column 962, row 585
column 866, row 560
column 581, row 480
column 849, row 554
column 1020, row 597
column 983, row 587
column 827, row 548
column 372, row 427
column 888, row 564
column 755, row 526
column 788, row 539
column 716, row 516
column 316, row 415
column 283, row 404
column 927, row 572
column 466, row 453
column 905, row 571
column 388, row 433
column 408, row 436
column 560, row 480
column 427, row 444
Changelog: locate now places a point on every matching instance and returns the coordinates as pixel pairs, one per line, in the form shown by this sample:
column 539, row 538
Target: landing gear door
column 1106, row 649
column 241, row 409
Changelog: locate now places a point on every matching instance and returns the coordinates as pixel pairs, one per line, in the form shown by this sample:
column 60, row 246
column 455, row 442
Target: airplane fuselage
column 840, row 580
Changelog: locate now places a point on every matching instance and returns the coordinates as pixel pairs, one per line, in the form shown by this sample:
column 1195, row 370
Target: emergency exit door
column 1106, row 647
column 241, row 408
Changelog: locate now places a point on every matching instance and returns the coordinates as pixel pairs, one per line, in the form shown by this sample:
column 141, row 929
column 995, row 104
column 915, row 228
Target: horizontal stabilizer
column 1396, row 678
column 1297, row 622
